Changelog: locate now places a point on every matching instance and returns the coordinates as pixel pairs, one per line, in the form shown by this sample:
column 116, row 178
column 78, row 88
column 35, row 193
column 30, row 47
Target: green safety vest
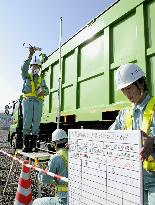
column 64, row 155
column 146, row 123
column 34, row 88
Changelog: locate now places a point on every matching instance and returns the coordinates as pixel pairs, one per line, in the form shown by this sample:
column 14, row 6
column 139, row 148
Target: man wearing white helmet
column 130, row 79
column 57, row 164
column 34, row 90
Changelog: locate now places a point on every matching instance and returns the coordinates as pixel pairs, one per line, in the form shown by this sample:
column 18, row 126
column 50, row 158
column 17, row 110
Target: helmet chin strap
column 143, row 95
column 36, row 71
column 138, row 86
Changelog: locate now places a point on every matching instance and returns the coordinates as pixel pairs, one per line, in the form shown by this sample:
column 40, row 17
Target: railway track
column 8, row 197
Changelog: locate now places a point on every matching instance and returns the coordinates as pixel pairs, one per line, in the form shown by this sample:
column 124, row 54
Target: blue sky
column 37, row 22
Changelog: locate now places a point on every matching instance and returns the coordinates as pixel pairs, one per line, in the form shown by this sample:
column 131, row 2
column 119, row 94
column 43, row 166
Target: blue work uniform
column 32, row 105
column 56, row 165
column 119, row 124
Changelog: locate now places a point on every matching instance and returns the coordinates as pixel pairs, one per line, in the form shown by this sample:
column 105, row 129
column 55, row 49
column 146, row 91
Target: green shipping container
column 123, row 33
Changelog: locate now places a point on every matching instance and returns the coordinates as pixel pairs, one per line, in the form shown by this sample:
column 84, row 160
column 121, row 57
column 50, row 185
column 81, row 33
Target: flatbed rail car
column 123, row 33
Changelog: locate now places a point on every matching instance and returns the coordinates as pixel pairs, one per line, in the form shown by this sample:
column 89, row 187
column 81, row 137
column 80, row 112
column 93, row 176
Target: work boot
column 19, row 140
column 26, row 141
column 34, row 143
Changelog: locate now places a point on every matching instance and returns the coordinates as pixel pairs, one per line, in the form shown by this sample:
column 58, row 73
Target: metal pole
column 59, row 78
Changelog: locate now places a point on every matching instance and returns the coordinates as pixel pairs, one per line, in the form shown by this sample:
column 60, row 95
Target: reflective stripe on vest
column 64, row 155
column 61, row 188
column 34, row 88
column 146, row 123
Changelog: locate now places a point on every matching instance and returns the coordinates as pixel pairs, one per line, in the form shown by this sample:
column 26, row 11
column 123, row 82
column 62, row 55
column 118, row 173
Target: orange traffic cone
column 23, row 194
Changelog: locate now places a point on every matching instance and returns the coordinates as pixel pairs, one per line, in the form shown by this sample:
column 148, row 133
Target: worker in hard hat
column 57, row 164
column 130, row 79
column 34, row 90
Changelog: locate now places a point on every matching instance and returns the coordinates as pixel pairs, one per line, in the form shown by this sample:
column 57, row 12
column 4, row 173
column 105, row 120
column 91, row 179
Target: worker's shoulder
column 152, row 99
column 56, row 157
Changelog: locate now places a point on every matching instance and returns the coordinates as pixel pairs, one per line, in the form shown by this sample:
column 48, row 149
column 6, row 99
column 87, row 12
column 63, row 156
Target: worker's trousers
column 32, row 112
column 50, row 201
column 149, row 188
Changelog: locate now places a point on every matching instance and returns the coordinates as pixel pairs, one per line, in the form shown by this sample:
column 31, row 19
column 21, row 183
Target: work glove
column 147, row 149
column 31, row 52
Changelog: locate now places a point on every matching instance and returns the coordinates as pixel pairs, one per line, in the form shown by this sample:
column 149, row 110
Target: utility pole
column 59, row 77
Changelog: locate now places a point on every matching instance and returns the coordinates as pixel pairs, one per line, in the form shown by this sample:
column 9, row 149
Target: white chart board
column 104, row 167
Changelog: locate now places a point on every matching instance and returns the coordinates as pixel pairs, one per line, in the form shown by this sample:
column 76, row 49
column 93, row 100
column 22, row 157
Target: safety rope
column 36, row 168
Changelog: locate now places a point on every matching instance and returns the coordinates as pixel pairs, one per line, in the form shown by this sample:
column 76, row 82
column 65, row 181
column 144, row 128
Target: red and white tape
column 36, row 168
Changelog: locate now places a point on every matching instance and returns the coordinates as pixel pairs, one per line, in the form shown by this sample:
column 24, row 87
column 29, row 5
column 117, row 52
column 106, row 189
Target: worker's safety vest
column 146, row 123
column 64, row 155
column 34, row 88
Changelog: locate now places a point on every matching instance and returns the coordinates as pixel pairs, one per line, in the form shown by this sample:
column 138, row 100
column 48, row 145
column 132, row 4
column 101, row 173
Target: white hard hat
column 59, row 134
column 127, row 74
column 35, row 62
